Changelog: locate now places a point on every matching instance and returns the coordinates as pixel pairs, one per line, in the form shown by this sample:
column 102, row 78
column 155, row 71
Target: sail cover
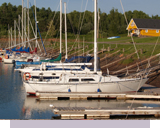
column 53, row 60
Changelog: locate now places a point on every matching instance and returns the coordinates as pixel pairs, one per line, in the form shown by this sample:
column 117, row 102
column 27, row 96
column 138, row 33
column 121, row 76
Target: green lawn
column 126, row 39
column 121, row 43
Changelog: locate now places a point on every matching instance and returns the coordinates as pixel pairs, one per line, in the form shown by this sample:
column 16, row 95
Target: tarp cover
column 53, row 60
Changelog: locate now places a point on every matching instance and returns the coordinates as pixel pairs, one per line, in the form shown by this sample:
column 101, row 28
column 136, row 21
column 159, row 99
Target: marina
column 35, row 84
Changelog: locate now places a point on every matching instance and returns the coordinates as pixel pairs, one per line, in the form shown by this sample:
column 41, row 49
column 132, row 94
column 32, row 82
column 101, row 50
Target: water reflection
column 33, row 106
column 12, row 93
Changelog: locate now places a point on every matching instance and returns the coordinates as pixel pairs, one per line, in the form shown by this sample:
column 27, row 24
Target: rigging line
column 69, row 17
column 58, row 29
column 127, row 25
column 81, row 22
column 80, row 15
column 134, row 98
column 155, row 46
column 83, row 17
column 38, row 28
column 25, row 32
column 152, row 54
column 51, row 23
column 131, row 36
column 135, row 49
column 57, row 32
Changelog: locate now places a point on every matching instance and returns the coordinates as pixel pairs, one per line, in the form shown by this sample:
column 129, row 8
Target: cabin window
column 44, row 77
column 146, row 30
column 73, row 80
column 88, row 79
column 157, row 31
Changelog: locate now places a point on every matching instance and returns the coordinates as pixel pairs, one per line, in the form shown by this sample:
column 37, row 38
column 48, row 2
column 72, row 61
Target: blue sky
column 150, row 7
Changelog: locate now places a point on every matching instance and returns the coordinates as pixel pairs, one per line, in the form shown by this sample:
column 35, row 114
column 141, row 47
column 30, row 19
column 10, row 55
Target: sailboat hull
column 121, row 86
column 8, row 61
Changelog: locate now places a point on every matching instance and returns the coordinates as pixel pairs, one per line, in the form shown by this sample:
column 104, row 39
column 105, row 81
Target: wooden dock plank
column 106, row 113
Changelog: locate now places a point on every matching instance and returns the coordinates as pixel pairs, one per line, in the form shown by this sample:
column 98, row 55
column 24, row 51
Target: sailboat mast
column 15, row 32
column 60, row 26
column 22, row 21
column 65, row 30
column 9, row 37
column 19, row 29
column 25, row 26
column 28, row 20
column 36, row 28
column 35, row 22
column 95, row 35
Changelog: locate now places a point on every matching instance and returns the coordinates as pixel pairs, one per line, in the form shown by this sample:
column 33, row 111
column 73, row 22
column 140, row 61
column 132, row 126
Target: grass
column 128, row 39
column 121, row 43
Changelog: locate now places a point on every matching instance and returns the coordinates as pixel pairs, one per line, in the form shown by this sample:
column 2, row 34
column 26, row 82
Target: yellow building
column 144, row 27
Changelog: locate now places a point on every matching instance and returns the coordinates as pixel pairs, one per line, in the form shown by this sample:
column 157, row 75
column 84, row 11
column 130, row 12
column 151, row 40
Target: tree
column 77, row 22
column 87, row 27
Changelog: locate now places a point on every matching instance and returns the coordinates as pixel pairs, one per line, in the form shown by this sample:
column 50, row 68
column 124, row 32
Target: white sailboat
column 83, row 82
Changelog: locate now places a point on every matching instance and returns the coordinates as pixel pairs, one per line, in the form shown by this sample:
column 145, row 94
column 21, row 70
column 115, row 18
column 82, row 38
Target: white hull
column 8, row 61
column 117, row 86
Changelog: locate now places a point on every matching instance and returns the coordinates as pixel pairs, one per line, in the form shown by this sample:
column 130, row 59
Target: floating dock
column 147, row 94
column 83, row 113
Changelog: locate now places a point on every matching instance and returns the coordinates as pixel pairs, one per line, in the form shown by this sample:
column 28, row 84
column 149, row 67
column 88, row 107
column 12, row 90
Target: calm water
column 15, row 104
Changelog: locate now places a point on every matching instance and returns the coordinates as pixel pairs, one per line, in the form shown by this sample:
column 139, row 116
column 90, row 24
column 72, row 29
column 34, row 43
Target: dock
column 147, row 95
column 83, row 113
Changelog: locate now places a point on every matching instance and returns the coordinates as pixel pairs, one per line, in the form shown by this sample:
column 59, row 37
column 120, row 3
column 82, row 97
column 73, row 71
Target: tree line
column 81, row 23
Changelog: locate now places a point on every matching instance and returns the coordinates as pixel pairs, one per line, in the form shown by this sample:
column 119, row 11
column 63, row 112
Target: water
column 15, row 104
column 13, row 97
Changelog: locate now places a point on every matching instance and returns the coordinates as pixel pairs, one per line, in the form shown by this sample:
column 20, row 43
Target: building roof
column 147, row 23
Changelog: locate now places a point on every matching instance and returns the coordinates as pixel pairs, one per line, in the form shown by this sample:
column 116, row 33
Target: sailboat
column 90, row 82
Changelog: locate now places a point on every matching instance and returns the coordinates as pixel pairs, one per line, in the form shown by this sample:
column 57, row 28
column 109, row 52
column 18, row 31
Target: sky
column 150, row 7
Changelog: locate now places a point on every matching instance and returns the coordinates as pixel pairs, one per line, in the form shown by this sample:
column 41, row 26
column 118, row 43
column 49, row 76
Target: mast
column 36, row 27
column 19, row 29
column 15, row 32
column 98, row 25
column 60, row 26
column 28, row 20
column 25, row 26
column 9, row 36
column 65, row 30
column 35, row 22
column 95, row 35
column 83, row 46
column 22, row 21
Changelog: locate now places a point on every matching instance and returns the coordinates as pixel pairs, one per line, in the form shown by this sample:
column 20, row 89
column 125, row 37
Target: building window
column 157, row 31
column 132, row 24
column 146, row 30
